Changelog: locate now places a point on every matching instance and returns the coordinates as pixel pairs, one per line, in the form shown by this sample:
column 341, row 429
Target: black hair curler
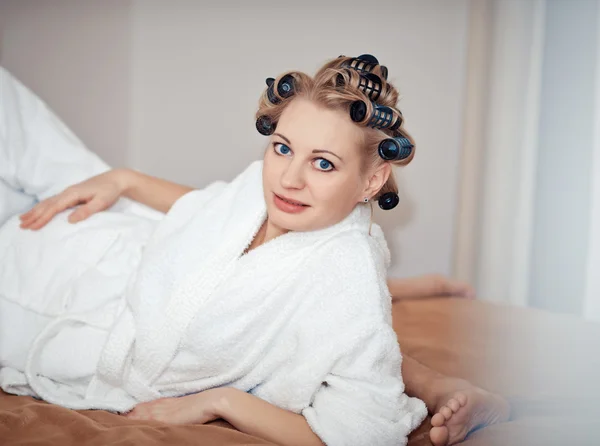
column 265, row 126
column 388, row 201
column 382, row 117
column 285, row 88
column 365, row 63
column 369, row 83
column 395, row 149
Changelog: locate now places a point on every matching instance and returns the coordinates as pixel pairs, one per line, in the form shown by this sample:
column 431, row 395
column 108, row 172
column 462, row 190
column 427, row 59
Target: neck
column 269, row 231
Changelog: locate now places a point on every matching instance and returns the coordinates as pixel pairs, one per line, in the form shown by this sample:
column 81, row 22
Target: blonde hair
column 326, row 90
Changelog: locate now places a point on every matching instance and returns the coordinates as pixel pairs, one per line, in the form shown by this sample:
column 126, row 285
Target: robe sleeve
column 197, row 197
column 361, row 400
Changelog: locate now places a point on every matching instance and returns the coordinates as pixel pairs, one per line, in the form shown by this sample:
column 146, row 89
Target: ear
column 377, row 179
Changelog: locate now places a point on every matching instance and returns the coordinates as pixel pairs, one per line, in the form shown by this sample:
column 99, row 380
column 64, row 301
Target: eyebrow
column 314, row 151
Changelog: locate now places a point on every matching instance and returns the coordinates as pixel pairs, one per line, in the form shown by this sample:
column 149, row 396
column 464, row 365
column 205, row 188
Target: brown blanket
column 547, row 365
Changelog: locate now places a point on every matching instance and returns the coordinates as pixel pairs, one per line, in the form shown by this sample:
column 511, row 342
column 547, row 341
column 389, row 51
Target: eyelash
column 320, row 158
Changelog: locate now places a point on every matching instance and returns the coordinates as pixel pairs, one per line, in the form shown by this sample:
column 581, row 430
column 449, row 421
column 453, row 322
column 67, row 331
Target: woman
column 246, row 292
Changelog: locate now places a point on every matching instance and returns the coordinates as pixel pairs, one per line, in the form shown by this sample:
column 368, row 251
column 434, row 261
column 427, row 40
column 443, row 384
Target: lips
column 289, row 206
column 287, row 200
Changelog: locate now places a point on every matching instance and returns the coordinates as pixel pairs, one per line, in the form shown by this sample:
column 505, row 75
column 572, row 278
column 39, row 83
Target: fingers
column 45, row 210
column 445, row 286
column 83, row 212
column 461, row 289
column 150, row 410
column 80, row 214
column 38, row 216
column 470, row 292
column 134, row 414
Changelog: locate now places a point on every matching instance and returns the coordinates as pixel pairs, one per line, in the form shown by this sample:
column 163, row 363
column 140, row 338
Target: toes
column 461, row 398
column 439, row 436
column 453, row 404
column 438, row 420
column 446, row 412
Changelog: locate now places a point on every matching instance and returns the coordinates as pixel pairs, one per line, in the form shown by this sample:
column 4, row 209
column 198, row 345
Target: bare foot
column 463, row 410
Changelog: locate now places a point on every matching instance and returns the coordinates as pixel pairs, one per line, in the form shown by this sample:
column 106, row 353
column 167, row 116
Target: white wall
column 591, row 304
column 562, row 203
column 527, row 235
column 171, row 87
column 501, row 236
column 76, row 56
column 186, row 57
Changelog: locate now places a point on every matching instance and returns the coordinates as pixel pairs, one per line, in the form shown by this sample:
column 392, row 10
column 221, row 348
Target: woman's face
column 312, row 168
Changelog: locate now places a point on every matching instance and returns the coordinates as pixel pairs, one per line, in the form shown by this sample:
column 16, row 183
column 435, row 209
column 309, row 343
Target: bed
column 547, row 365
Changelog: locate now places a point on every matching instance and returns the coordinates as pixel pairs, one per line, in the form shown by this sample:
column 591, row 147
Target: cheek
column 267, row 158
column 335, row 195
column 270, row 169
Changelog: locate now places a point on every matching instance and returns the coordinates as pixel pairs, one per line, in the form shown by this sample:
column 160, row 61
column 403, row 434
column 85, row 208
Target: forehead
column 312, row 126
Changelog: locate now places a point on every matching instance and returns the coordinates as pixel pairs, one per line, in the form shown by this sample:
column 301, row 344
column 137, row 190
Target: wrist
column 223, row 401
column 124, row 179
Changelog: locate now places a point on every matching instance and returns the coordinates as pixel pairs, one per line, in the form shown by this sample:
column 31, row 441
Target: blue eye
column 284, row 150
column 323, row 164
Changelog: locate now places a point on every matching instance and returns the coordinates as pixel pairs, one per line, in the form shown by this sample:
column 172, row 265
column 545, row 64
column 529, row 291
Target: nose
column 293, row 176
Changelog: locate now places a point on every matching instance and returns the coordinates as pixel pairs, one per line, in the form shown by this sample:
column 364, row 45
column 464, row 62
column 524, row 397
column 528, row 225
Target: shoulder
column 356, row 254
column 350, row 251
column 194, row 199
column 348, row 274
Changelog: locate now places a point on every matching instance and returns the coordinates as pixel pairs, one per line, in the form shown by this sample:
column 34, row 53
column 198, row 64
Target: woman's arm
column 246, row 412
column 155, row 192
column 431, row 285
column 101, row 192
column 254, row 416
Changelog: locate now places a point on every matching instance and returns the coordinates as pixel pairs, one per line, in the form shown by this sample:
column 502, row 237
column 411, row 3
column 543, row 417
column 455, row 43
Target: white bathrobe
column 302, row 321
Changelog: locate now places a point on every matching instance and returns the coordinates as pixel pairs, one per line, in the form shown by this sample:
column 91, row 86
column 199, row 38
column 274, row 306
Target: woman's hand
column 431, row 285
column 94, row 195
column 198, row 408
column 246, row 412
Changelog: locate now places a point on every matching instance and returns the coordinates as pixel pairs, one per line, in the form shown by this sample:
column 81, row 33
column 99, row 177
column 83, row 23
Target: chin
column 290, row 222
column 287, row 222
